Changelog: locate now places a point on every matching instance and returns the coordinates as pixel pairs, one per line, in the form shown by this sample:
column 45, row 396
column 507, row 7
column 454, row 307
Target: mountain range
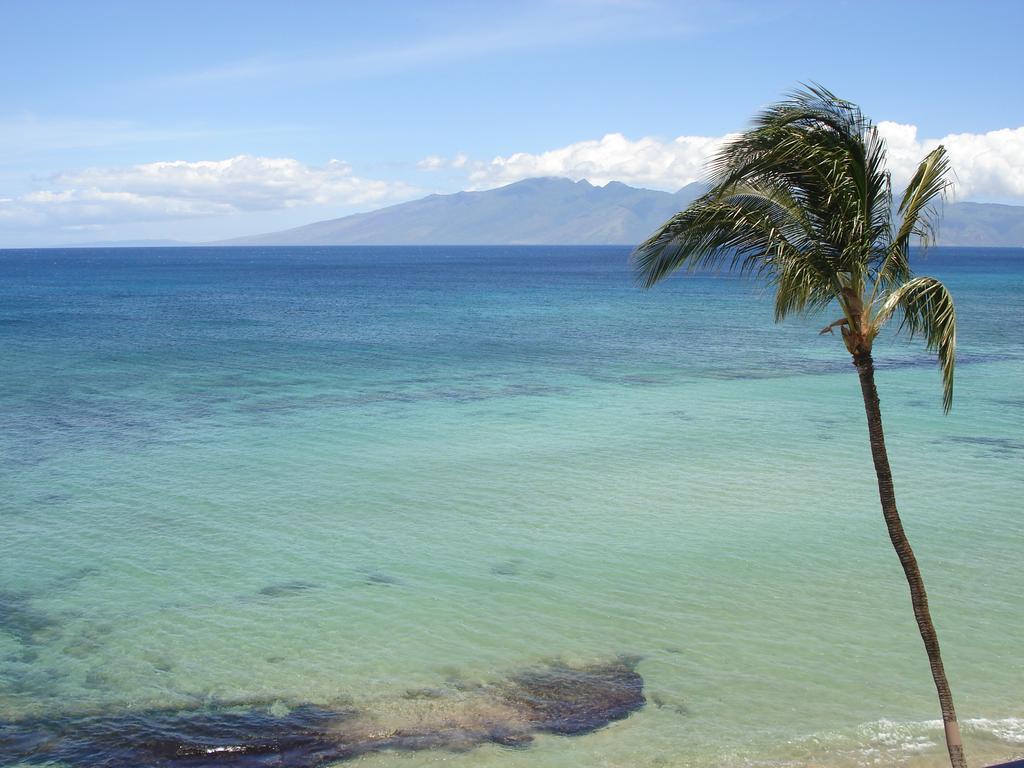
column 556, row 211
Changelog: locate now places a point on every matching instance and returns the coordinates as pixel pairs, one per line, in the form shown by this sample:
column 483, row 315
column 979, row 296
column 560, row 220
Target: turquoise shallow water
column 313, row 475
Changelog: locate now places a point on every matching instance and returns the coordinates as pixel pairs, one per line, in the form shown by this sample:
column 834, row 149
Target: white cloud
column 432, row 163
column 646, row 162
column 988, row 166
column 183, row 189
column 436, row 162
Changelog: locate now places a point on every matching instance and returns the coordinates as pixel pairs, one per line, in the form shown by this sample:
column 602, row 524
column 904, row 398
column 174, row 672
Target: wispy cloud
column 180, row 189
column 437, row 163
column 28, row 133
column 536, row 26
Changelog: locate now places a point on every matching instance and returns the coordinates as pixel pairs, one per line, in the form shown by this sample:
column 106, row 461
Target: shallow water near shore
column 367, row 476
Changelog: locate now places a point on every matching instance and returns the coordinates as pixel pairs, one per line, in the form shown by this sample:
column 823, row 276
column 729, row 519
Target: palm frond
column 928, row 186
column 832, row 161
column 803, row 200
column 928, row 310
column 749, row 230
column 919, row 216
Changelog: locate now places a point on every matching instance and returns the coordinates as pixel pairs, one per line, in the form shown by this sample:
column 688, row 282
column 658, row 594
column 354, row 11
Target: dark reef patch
column 87, row 641
column 287, row 588
column 376, row 577
column 25, row 623
column 998, row 446
column 568, row 701
column 662, row 701
column 423, row 693
column 517, row 567
column 379, row 578
column 513, row 567
column 21, row 619
column 1013, row 402
column 200, row 738
column 555, row 698
column 71, row 580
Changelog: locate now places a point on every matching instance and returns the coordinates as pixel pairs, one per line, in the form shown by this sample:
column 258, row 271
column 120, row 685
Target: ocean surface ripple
column 290, row 482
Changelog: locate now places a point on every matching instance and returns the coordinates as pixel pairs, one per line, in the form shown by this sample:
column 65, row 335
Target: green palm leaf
column 919, row 213
column 804, row 201
column 927, row 309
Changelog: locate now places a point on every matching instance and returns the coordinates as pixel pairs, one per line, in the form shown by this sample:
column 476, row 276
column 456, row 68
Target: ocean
column 385, row 481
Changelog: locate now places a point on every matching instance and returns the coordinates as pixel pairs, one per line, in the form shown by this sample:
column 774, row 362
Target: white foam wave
column 892, row 733
column 894, row 742
column 901, row 737
column 1008, row 729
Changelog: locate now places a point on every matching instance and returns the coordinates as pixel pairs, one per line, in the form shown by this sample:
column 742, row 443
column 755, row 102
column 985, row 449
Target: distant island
column 557, row 211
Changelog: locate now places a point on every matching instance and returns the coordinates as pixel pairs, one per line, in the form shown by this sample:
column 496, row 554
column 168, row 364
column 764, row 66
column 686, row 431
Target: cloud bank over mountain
column 559, row 211
column 250, row 189
column 989, row 166
column 648, row 161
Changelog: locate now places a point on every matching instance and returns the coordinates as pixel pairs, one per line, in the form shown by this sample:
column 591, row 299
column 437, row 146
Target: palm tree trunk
column 866, row 370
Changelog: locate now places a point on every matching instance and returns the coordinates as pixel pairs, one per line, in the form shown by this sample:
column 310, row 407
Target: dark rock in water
column 71, row 579
column 19, row 743
column 96, row 680
column 507, row 568
column 567, row 701
column 23, row 622
column 423, row 693
column 992, row 445
column 376, row 577
column 287, row 588
column 25, row 656
column 552, row 699
column 661, row 701
column 180, row 740
column 459, row 681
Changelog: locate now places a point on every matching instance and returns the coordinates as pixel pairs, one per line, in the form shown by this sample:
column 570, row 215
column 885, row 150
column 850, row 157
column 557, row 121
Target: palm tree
column 803, row 200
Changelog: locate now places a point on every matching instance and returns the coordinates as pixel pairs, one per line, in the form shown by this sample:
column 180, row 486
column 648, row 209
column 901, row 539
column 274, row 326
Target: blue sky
column 204, row 120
